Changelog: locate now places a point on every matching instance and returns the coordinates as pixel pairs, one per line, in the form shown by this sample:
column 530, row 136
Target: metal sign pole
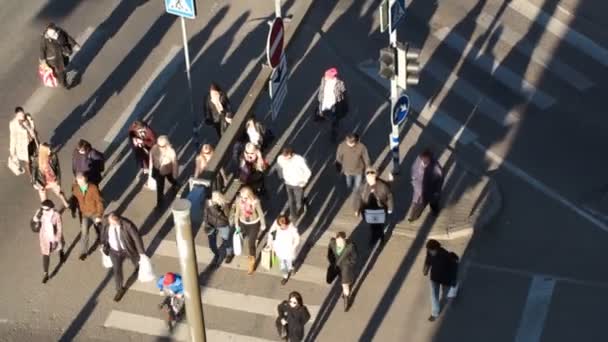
column 394, row 136
column 195, row 125
column 189, row 268
column 277, row 8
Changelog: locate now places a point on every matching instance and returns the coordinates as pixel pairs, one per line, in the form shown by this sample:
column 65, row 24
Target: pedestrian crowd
column 240, row 221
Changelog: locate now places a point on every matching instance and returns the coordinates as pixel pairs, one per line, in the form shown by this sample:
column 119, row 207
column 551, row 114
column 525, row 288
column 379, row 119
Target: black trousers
column 250, row 232
column 117, row 258
column 160, row 184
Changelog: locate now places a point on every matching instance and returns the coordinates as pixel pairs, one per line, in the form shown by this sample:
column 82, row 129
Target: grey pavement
column 531, row 274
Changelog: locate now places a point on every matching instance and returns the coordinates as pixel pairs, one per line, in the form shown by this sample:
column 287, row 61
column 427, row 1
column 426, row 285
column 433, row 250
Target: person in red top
column 46, row 174
column 142, row 139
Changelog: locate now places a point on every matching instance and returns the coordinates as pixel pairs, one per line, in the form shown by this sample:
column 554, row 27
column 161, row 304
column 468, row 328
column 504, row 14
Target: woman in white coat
column 23, row 139
column 284, row 240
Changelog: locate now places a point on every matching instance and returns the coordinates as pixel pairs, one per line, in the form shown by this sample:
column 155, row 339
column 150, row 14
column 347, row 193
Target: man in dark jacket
column 88, row 200
column 427, row 180
column 444, row 273
column 56, row 47
column 374, row 201
column 120, row 239
column 352, row 159
column 89, row 161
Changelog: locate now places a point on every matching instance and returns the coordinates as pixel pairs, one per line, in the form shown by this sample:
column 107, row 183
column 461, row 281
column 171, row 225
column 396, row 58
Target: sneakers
column 61, row 256
column 229, row 258
column 346, row 300
column 284, row 281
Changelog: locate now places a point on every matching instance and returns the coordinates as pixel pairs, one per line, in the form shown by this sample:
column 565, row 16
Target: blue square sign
column 182, row 8
column 397, row 13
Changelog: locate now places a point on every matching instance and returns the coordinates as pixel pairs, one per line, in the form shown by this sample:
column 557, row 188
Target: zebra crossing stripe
column 231, row 300
column 538, row 55
column 157, row 327
column 488, row 64
column 560, row 30
column 306, row 273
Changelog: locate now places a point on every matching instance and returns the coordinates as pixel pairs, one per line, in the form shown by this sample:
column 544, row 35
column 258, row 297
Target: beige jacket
column 20, row 137
column 164, row 160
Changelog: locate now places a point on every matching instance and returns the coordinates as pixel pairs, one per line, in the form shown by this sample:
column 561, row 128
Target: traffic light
column 408, row 66
column 388, row 62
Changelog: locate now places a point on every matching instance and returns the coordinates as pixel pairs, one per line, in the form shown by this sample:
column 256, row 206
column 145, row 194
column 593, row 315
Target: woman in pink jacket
column 48, row 221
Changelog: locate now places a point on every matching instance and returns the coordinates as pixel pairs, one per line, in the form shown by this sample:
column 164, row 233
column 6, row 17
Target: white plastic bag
column 15, row 166
column 453, row 292
column 106, row 261
column 266, row 258
column 146, row 273
column 151, row 183
column 237, row 243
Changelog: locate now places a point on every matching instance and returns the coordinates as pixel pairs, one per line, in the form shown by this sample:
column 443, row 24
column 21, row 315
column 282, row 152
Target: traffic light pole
column 394, row 136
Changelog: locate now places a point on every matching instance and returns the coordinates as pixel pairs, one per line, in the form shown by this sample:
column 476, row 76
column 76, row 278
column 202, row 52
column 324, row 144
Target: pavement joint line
column 535, row 311
column 525, row 273
column 539, row 186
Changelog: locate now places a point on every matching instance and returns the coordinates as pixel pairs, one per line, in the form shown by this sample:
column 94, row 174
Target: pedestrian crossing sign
column 182, row 8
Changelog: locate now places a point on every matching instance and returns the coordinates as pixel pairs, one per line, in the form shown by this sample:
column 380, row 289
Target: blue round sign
column 401, row 109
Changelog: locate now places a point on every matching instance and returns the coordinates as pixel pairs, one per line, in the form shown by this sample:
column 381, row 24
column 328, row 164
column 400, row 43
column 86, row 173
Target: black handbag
column 35, row 225
column 332, row 273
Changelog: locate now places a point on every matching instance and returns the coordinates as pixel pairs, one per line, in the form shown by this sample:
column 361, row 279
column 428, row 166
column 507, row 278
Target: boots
column 251, row 265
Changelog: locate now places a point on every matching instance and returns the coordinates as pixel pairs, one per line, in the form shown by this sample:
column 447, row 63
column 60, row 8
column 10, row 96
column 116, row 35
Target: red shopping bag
column 46, row 76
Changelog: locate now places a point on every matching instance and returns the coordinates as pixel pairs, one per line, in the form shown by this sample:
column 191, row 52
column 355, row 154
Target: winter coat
column 346, row 262
column 296, row 320
column 381, row 191
column 51, row 231
column 176, row 287
column 91, row 164
column 164, row 160
column 214, row 216
column 129, row 235
column 443, row 267
column 89, row 203
column 284, row 242
column 294, row 170
column 38, row 174
column 341, row 106
column 22, row 134
column 213, row 115
column 257, row 214
column 427, row 182
column 352, row 160
column 53, row 51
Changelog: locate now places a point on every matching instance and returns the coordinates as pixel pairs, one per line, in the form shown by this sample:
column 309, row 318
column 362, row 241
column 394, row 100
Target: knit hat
column 168, row 279
column 48, row 204
column 331, row 73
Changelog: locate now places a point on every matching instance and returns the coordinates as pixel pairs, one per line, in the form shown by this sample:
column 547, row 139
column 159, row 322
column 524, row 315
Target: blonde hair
column 206, row 148
column 218, row 198
column 163, row 140
column 44, row 155
column 247, row 192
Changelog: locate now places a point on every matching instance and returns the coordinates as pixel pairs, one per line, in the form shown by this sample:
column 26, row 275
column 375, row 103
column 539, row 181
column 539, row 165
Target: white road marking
column 148, row 93
column 488, row 64
column 231, row 300
column 306, row 273
column 540, row 186
column 535, row 312
column 539, row 55
column 156, row 327
column 561, row 30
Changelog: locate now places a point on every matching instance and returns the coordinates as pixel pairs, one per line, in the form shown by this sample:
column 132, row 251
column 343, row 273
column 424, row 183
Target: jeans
column 85, row 225
column 226, row 240
column 353, row 180
column 295, row 199
column 435, row 298
column 286, row 265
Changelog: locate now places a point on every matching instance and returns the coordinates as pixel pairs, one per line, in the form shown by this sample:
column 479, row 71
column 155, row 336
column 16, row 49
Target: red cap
column 331, row 73
column 169, row 278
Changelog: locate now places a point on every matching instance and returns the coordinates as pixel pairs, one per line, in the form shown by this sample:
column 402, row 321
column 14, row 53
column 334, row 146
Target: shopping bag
column 106, row 261
column 453, row 291
column 47, row 76
column 237, row 243
column 275, row 259
column 15, row 166
column 151, row 183
column 266, row 258
column 146, row 273
column 374, row 216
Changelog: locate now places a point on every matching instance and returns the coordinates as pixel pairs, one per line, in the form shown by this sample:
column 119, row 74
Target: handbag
column 266, row 258
column 15, row 166
column 150, row 182
column 36, row 224
column 237, row 243
column 146, row 273
column 375, row 216
column 106, row 262
column 47, row 76
column 332, row 273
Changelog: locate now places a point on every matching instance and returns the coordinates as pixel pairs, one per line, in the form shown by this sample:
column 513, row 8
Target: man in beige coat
column 23, row 139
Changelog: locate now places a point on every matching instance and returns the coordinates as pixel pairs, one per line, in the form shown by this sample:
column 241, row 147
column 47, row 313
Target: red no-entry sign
column 274, row 44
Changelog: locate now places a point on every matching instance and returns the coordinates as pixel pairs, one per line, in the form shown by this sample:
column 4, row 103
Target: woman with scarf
column 249, row 219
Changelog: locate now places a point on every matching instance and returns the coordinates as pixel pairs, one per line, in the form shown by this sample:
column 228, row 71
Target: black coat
column 91, row 164
column 213, row 115
column 38, row 176
column 129, row 236
column 296, row 320
column 381, row 191
column 346, row 262
column 443, row 267
column 214, row 217
column 53, row 51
